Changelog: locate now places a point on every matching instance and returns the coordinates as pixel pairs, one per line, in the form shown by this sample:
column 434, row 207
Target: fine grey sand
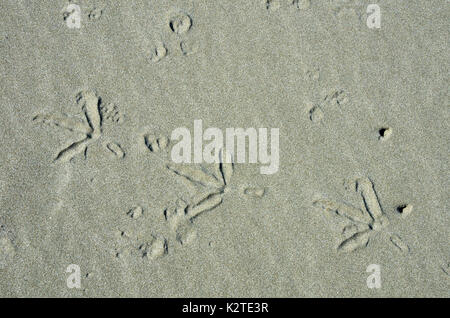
column 86, row 176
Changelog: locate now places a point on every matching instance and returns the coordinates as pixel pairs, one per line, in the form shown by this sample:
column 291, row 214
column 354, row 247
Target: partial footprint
column 158, row 52
column 312, row 74
column 116, row 150
column 189, row 47
column 180, row 23
column 316, row 114
column 156, row 144
column 110, row 112
column 135, row 212
column 142, row 246
column 337, row 97
column 446, row 268
column 154, row 249
column 95, row 14
column 399, row 244
column 254, row 192
column 180, row 223
column 272, row 5
column 302, row 4
column 354, row 242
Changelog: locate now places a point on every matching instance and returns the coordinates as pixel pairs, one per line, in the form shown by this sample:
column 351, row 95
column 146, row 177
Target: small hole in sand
column 385, row 133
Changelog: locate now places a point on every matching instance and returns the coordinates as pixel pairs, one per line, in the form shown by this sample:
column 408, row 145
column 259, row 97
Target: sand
column 86, row 174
